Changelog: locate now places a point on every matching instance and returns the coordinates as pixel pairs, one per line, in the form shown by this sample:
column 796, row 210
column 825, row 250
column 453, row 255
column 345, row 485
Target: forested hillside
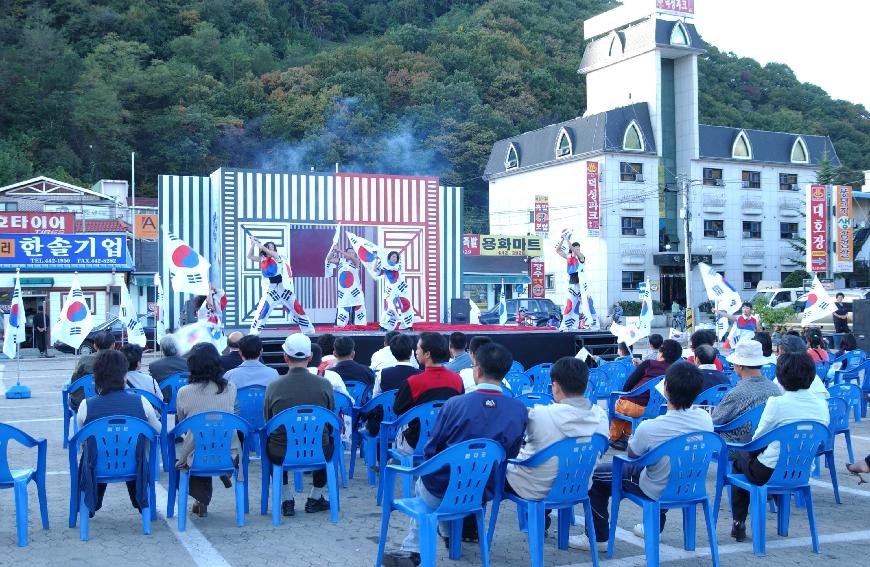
column 396, row 86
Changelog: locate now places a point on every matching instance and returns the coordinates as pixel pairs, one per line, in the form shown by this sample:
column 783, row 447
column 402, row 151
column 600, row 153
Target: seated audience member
column 751, row 390
column 103, row 341
column 435, row 383
column 848, row 343
column 110, row 368
column 393, row 377
column 251, row 372
column 704, row 337
column 298, row 387
column 169, row 363
column 467, row 374
column 655, row 343
column 329, row 375
column 484, row 413
column 326, row 341
column 816, row 349
column 459, row 358
column 572, row 415
column 794, row 343
column 682, row 385
column 634, row 407
column 795, row 372
column 766, row 343
column 232, row 358
column 207, row 390
column 135, row 377
column 346, row 367
column 383, row 358
column 705, row 359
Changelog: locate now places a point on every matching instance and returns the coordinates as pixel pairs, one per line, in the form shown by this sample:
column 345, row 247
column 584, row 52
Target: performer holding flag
column 277, row 287
column 745, row 324
column 575, row 265
column 722, row 294
column 397, row 304
column 351, row 302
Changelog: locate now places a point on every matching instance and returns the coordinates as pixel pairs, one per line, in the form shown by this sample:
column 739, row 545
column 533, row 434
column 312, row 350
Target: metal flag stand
column 18, row 391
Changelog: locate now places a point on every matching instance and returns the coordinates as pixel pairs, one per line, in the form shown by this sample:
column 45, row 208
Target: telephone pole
column 687, row 239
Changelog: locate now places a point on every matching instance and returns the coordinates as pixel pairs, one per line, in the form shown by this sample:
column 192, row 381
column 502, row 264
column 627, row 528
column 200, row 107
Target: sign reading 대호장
column 63, row 252
column 843, row 226
column 593, row 200
column 817, row 229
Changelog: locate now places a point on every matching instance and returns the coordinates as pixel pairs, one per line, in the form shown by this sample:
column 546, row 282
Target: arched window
column 615, row 45
column 563, row 144
column 679, row 35
column 632, row 140
column 799, row 153
column 741, row 149
column 512, row 159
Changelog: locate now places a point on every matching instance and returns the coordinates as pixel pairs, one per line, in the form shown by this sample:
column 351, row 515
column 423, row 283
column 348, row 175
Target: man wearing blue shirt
column 459, row 357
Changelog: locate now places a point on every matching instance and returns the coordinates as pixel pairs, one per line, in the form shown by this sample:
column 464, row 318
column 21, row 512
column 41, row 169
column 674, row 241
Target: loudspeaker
column 460, row 311
column 861, row 323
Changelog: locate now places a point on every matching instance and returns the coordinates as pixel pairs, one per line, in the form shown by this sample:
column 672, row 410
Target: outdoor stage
column 529, row 345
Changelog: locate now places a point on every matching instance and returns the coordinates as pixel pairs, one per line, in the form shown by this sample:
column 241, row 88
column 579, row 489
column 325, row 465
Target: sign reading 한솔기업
column 843, row 226
column 678, row 7
column 14, row 222
column 542, row 215
column 63, row 252
column 498, row 245
column 593, row 200
column 539, row 282
column 817, row 229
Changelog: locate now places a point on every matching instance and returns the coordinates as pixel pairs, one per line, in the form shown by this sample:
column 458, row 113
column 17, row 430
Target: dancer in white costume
column 397, row 303
column 209, row 312
column 351, row 306
column 575, row 265
column 277, row 287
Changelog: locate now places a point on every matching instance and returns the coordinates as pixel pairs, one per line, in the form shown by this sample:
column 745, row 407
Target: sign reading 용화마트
column 501, row 245
column 14, row 222
column 82, row 252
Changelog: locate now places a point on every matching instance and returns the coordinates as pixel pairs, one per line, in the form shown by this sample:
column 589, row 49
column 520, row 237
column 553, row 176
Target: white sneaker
column 582, row 542
column 638, row 530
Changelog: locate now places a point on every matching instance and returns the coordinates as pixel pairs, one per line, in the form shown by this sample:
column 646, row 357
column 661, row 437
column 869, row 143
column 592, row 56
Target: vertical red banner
column 471, row 245
column 817, row 229
column 542, row 215
column 539, row 283
column 593, row 200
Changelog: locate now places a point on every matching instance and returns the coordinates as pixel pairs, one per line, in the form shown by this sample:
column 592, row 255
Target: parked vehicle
column 827, row 323
column 538, row 311
column 779, row 297
column 114, row 326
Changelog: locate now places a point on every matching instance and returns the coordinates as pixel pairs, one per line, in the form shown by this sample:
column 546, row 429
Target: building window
column 632, row 140
column 630, row 171
column 751, row 229
column 751, row 279
column 563, row 144
column 631, row 280
column 788, row 230
column 679, row 35
column 615, row 46
column 713, row 177
column 783, row 275
column 788, row 182
column 512, row 159
column 633, row 226
column 751, row 179
column 11, row 206
column 741, row 148
column 550, row 281
column 714, row 229
column 799, row 152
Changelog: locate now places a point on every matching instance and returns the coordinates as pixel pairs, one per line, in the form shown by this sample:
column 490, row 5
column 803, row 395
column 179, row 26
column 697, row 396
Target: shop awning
column 495, row 279
column 143, row 280
column 494, row 269
column 37, row 282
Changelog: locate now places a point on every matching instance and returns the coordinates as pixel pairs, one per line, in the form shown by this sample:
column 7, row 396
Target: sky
column 825, row 42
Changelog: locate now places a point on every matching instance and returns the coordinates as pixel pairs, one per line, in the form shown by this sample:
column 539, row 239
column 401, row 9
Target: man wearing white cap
column 298, row 387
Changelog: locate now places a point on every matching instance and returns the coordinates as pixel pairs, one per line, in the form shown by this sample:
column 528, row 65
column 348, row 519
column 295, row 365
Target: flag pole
column 18, row 392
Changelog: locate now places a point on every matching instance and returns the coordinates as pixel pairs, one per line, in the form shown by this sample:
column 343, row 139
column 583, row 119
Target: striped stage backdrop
column 298, row 212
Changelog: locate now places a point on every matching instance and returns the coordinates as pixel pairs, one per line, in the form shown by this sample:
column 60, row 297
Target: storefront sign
column 817, row 229
column 537, row 288
column 471, row 245
column 843, row 238
column 146, row 227
column 542, row 215
column 37, row 223
column 677, row 7
column 71, row 252
column 593, row 200
column 498, row 245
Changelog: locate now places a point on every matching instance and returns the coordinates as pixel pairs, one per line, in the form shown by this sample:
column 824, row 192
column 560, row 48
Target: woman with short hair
column 135, row 377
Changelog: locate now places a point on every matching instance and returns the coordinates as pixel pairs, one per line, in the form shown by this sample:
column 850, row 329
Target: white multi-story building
column 746, row 187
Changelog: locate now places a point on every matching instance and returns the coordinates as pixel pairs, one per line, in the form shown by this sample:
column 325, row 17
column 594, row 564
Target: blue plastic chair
column 173, row 383
column 251, row 400
column 471, row 463
column 690, row 456
column 116, row 438
column 369, row 444
column 599, row 385
column 751, row 417
column 19, row 479
column 359, row 391
column 653, row 407
column 540, row 377
column 160, row 407
column 799, row 443
column 838, row 409
column 712, row 396
column 343, row 407
column 576, row 461
column 856, row 367
column 85, row 383
column 617, row 373
column 727, row 367
column 213, row 433
column 304, row 426
column 852, row 394
column 516, row 366
column 532, row 400
column 519, row 383
column 769, row 371
column 822, row 367
column 426, row 415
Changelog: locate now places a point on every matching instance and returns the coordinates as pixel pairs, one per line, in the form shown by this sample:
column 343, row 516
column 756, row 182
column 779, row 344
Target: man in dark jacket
column 647, row 370
column 232, row 358
column 103, row 341
column 345, row 365
column 170, row 363
column 402, row 349
column 705, row 359
column 40, row 332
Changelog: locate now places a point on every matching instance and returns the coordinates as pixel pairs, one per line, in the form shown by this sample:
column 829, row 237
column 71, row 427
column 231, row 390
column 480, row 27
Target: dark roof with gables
column 767, row 147
column 594, row 134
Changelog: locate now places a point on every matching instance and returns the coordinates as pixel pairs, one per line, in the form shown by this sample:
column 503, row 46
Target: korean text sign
column 501, row 245
column 13, row 222
column 63, row 252
column 593, row 200
column 843, row 226
column 539, row 281
column 678, row 7
column 817, row 229
column 542, row 214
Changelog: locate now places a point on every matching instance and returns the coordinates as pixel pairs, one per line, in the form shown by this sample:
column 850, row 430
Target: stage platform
column 529, row 345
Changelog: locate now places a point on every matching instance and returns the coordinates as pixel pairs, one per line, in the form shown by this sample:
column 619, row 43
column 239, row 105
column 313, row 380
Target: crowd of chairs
column 805, row 444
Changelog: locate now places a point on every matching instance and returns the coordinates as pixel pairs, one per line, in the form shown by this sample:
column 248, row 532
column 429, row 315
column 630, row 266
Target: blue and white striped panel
column 451, row 247
column 185, row 208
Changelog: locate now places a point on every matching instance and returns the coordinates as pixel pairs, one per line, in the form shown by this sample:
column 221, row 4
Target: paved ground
column 310, row 539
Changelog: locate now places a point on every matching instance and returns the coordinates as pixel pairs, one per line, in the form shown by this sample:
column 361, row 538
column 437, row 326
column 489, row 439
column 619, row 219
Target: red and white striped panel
column 316, row 293
column 381, row 199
